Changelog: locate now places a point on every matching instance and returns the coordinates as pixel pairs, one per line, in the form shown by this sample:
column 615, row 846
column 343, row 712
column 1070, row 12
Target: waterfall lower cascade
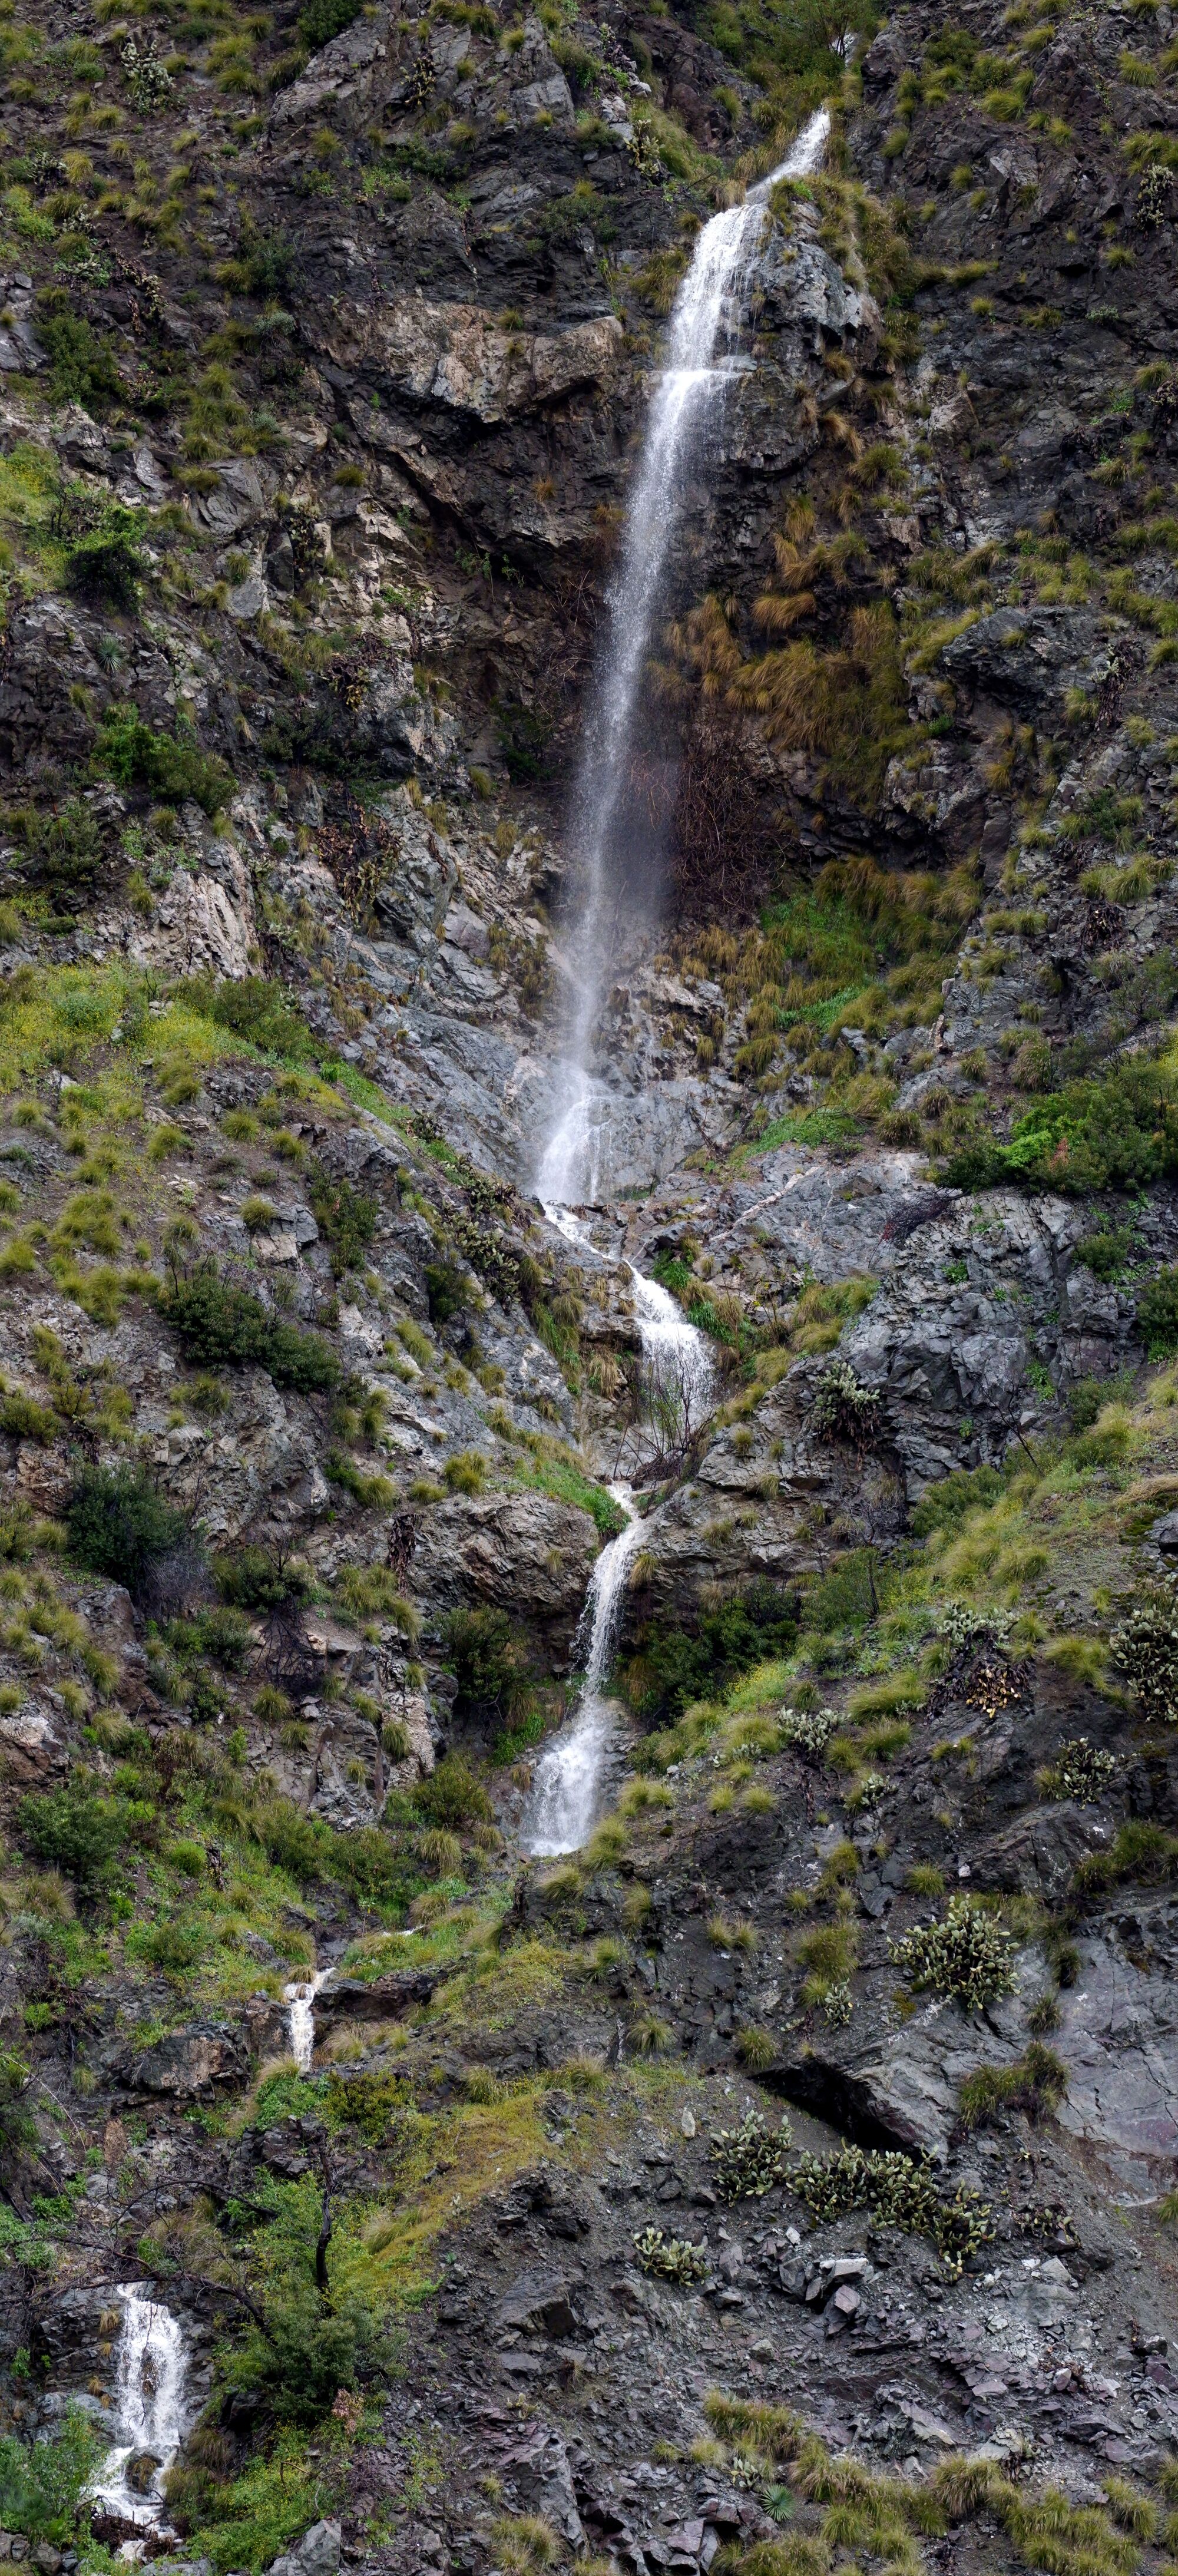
column 299, row 1998
column 153, row 2413
column 704, row 329
column 571, row 1771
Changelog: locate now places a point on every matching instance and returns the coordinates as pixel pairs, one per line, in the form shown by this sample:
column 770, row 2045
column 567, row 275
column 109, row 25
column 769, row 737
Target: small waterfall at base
column 701, row 342
column 567, row 1786
column 299, row 1998
column 153, row 2414
column 571, row 1770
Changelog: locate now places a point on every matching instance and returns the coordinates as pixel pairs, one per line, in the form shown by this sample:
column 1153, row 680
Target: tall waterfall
column 153, row 2412
column 705, row 323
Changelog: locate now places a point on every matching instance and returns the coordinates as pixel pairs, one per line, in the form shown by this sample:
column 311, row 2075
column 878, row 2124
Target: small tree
column 120, row 1526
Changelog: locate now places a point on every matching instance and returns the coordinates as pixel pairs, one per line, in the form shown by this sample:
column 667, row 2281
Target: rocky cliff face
column 791, row 2171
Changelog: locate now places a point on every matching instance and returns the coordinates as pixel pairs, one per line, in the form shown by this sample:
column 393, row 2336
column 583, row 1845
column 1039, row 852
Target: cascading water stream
column 701, row 354
column 704, row 329
column 299, row 1998
column 571, row 1771
column 153, row 2410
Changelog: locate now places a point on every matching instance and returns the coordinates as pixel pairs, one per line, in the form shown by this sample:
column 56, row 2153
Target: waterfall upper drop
column 153, row 2412
column 704, row 327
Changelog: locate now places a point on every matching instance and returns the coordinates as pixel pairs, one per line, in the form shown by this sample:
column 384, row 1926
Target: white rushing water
column 702, row 346
column 299, row 1998
column 153, row 2410
column 571, row 1771
column 568, row 1780
column 701, row 343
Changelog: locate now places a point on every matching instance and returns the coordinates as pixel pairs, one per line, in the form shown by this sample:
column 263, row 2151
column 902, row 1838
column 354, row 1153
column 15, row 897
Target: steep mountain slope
column 790, row 2171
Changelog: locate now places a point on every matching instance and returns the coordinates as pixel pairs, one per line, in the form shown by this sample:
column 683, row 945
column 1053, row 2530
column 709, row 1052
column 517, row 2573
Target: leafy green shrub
column 258, row 1011
column 308, row 2352
column 223, row 1326
column 670, row 1668
column 453, row 1794
column 323, row 19
column 900, row 2191
column 81, row 366
column 672, row 2258
column 1106, row 1252
column 1035, row 2084
column 749, row 2160
column 73, row 1830
column 378, row 2104
column 346, row 1218
column 253, row 1579
column 963, row 1490
column 164, row 764
column 1157, row 1315
column 1117, row 1131
column 1145, row 1649
column 62, row 847
column 968, row 1955
column 43, row 2484
column 120, row 1526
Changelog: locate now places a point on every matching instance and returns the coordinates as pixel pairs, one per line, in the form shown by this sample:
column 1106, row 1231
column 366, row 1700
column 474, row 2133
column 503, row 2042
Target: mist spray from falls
column 704, row 328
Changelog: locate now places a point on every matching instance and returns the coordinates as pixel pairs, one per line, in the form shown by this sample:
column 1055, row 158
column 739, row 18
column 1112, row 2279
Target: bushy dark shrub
column 489, row 1662
column 73, row 1830
column 106, row 566
column 672, row 1667
column 62, row 847
column 962, row 1491
column 308, row 2353
column 119, row 1525
column 164, row 764
column 81, row 366
column 1157, row 1315
column 258, row 1011
column 224, row 1326
column 346, row 1218
column 447, row 1289
column 323, row 19
column 453, row 1795
column 1106, row 1252
column 289, row 1839
column 252, row 1579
